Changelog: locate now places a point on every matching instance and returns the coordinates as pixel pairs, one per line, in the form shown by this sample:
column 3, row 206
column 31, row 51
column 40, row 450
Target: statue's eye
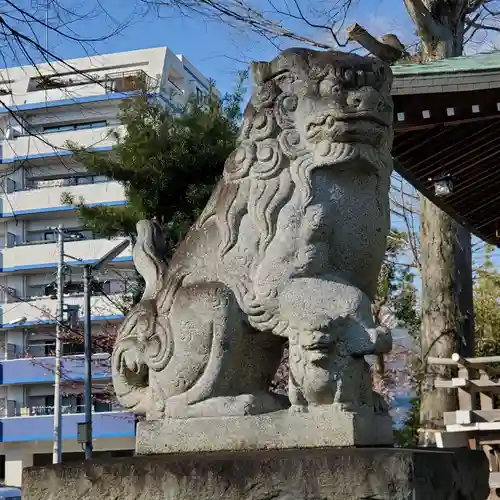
column 329, row 88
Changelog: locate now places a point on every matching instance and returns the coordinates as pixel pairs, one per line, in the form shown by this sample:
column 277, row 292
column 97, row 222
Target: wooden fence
column 476, row 424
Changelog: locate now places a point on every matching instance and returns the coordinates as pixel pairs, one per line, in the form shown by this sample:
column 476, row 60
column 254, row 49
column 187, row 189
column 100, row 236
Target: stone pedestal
column 319, row 474
column 323, row 427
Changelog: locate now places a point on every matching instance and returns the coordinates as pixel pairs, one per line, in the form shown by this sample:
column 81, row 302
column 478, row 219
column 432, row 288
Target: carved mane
column 271, row 162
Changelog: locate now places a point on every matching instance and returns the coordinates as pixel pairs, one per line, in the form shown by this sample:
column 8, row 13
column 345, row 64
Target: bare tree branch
column 239, row 13
column 477, row 26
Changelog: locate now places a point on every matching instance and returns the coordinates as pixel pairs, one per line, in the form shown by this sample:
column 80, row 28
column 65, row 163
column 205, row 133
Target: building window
column 199, row 95
column 74, row 126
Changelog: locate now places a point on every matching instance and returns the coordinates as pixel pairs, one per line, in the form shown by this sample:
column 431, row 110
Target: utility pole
column 87, row 290
column 85, row 428
column 57, row 450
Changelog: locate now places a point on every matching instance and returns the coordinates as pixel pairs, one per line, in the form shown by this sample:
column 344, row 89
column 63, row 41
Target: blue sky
column 218, row 51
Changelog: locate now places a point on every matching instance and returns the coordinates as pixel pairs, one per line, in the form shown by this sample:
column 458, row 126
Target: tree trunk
column 447, row 311
column 447, row 298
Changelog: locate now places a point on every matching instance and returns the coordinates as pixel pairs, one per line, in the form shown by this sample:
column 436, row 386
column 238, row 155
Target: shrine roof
column 447, row 122
column 464, row 64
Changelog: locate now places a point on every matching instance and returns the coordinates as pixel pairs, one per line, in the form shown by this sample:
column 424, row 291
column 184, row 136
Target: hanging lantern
column 443, row 186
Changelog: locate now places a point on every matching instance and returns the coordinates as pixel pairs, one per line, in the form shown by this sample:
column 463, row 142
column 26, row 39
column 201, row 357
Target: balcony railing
column 81, row 180
column 38, row 411
column 128, row 81
column 48, row 348
column 69, row 236
column 74, row 289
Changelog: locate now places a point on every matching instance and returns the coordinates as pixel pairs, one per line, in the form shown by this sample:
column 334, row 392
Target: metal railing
column 38, row 411
column 128, row 81
column 35, row 184
column 71, row 236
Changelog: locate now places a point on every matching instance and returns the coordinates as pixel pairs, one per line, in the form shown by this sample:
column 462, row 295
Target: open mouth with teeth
column 350, row 123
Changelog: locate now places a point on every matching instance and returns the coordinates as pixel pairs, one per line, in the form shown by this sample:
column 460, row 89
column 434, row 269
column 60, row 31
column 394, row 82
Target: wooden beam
column 482, row 360
column 469, row 417
column 456, row 359
column 486, row 399
column 477, row 426
column 413, row 110
column 451, row 440
column 479, row 362
column 476, row 385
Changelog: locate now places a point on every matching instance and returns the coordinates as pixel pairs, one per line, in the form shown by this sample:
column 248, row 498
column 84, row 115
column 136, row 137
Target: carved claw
column 130, row 361
column 317, row 340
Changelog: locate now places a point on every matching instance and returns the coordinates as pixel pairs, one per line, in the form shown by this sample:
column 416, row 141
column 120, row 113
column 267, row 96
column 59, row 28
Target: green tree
column 168, row 162
column 396, row 291
column 407, row 435
column 396, row 305
column 487, row 306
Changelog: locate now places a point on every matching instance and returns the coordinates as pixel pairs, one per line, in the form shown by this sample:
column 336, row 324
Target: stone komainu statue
column 289, row 247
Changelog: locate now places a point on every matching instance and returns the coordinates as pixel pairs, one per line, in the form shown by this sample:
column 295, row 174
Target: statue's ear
column 261, row 72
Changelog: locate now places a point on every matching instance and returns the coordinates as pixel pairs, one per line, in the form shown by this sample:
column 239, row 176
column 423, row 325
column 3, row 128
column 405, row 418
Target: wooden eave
column 449, row 124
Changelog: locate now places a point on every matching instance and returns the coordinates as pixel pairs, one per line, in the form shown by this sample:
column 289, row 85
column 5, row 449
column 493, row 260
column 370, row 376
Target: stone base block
column 278, row 430
column 328, row 474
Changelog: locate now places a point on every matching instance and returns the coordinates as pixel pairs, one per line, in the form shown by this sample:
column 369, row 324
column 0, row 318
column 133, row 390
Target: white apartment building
column 42, row 108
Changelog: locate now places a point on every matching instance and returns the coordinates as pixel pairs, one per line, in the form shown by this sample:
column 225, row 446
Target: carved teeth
column 324, row 148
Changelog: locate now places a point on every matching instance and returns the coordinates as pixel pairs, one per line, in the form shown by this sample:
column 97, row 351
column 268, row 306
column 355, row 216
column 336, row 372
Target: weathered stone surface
column 345, row 474
column 280, row 430
column 289, row 247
